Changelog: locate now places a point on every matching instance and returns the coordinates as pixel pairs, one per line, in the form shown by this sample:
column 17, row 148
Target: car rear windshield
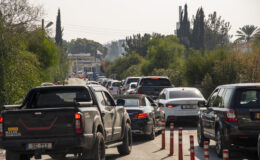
column 131, row 102
column 249, row 98
column 130, row 80
column 185, row 94
column 116, row 84
column 155, row 82
column 59, row 98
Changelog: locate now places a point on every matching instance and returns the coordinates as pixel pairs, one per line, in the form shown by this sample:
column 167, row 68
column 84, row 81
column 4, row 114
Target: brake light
column 230, row 116
column 171, row 105
column 111, row 89
column 78, row 123
column 1, row 126
column 140, row 115
column 243, row 137
column 154, row 78
column 139, row 91
column 131, row 92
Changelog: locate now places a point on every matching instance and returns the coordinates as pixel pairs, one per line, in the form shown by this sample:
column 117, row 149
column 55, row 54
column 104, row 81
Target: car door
column 157, row 113
column 107, row 114
column 208, row 114
column 116, row 113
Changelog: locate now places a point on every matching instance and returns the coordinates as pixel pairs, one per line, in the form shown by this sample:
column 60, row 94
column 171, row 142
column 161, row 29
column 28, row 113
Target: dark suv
column 231, row 116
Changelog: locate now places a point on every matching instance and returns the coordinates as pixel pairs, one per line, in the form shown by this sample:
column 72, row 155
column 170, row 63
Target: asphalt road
column 144, row 149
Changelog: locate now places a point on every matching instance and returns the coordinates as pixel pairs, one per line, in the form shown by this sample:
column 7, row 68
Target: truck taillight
column 1, row 126
column 111, row 89
column 230, row 116
column 78, row 123
column 139, row 91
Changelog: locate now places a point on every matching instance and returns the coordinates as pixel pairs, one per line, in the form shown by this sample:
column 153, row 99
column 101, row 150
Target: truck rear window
column 185, row 94
column 155, row 82
column 59, row 98
column 249, row 98
column 130, row 80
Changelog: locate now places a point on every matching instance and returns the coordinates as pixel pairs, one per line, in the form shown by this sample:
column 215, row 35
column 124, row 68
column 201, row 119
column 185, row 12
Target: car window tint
column 212, row 98
column 116, row 84
column 131, row 102
column 130, row 80
column 155, row 82
column 162, row 96
column 185, row 94
column 108, row 100
column 219, row 99
column 249, row 98
column 100, row 100
column 227, row 97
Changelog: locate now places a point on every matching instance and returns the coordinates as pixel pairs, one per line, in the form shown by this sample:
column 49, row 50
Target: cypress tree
column 197, row 38
column 58, row 36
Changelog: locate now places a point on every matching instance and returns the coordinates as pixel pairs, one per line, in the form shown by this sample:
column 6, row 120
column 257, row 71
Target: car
column 91, row 82
column 109, row 81
column 258, row 147
column 58, row 120
column 131, row 88
column 145, row 115
column 153, row 85
column 47, row 84
column 180, row 103
column 127, row 81
column 114, row 86
column 231, row 116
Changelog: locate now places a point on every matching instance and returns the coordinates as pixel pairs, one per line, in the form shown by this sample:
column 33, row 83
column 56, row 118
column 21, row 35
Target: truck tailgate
column 37, row 123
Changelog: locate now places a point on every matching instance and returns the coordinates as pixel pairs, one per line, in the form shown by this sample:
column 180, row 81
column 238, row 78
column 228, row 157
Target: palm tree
column 247, row 33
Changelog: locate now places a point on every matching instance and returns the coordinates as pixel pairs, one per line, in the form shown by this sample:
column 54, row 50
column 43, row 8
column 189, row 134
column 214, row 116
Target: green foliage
column 82, row 45
column 176, row 76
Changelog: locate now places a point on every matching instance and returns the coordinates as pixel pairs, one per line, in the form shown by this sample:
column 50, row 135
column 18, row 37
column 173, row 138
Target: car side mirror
column 202, row 104
column 120, row 102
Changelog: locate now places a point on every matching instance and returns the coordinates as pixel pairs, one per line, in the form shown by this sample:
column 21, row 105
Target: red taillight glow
column 154, row 78
column 140, row 115
column 131, row 92
column 1, row 126
column 243, row 137
column 111, row 89
column 230, row 116
column 78, row 123
column 171, row 105
column 139, row 91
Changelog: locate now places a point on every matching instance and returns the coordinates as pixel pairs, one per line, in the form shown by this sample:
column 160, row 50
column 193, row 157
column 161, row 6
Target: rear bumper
column 173, row 118
column 142, row 126
column 59, row 144
column 236, row 136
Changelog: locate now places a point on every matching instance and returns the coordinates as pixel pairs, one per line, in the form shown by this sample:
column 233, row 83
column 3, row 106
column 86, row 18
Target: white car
column 114, row 86
column 131, row 88
column 180, row 103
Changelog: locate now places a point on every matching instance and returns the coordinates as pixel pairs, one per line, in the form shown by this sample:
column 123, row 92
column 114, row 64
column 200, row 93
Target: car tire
column 152, row 135
column 99, row 147
column 220, row 143
column 126, row 147
column 200, row 136
column 58, row 156
column 10, row 155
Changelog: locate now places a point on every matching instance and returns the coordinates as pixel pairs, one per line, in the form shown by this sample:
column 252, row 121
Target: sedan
column 145, row 115
column 180, row 103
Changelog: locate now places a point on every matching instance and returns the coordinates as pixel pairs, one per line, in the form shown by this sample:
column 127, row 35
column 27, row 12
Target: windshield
column 59, row 98
column 185, row 94
column 131, row 102
column 130, row 80
column 116, row 84
column 155, row 82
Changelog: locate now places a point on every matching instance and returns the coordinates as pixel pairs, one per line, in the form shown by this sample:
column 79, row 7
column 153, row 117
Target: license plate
column 35, row 146
column 189, row 107
column 257, row 115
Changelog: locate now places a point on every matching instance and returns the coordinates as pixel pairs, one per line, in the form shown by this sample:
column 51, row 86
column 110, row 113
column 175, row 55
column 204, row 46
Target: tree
column 58, row 36
column 216, row 32
column 197, row 38
column 247, row 33
column 183, row 32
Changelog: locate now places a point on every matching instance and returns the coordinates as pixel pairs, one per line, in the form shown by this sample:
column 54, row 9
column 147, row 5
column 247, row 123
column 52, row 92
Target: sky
column 108, row 20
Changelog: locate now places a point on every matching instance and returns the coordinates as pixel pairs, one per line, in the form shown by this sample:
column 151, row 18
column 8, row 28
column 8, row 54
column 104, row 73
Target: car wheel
column 200, row 136
column 126, row 147
column 152, row 135
column 99, row 147
column 58, row 156
column 220, row 143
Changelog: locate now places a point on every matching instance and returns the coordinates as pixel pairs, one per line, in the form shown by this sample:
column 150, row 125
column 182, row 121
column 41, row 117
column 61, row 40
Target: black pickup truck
column 60, row 120
column 153, row 85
